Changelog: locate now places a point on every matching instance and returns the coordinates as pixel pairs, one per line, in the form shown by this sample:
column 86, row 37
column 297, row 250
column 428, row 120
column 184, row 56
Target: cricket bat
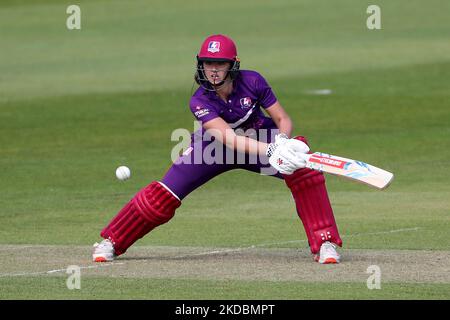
column 352, row 169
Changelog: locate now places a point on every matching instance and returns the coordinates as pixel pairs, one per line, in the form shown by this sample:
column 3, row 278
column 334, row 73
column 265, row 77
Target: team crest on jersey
column 214, row 46
column 246, row 102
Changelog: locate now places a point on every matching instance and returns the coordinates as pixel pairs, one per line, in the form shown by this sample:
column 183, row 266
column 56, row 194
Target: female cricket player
column 230, row 101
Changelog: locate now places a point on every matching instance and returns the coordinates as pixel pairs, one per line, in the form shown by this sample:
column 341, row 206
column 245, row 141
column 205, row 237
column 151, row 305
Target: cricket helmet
column 217, row 47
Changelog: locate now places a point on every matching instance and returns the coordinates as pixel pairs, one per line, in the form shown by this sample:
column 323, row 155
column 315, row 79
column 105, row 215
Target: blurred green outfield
column 74, row 105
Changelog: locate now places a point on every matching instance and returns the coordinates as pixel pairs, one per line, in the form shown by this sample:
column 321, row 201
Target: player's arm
column 281, row 154
column 219, row 129
column 281, row 118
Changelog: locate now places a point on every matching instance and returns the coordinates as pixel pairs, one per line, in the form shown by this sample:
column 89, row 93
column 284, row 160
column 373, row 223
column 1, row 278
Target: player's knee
column 156, row 203
column 303, row 178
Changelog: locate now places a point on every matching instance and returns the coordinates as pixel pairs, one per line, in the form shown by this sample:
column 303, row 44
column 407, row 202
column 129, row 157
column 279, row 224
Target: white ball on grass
column 123, row 173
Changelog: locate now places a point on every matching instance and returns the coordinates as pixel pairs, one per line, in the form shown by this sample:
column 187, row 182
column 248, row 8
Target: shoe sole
column 327, row 260
column 102, row 259
column 330, row 261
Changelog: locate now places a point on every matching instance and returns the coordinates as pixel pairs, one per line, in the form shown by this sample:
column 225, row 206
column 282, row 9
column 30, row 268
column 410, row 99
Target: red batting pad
column 152, row 206
column 313, row 207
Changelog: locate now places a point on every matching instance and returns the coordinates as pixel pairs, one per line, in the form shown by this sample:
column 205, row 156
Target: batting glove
column 280, row 139
column 285, row 154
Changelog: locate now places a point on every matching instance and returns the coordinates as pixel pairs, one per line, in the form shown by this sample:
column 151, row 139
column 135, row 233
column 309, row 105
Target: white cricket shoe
column 328, row 254
column 103, row 251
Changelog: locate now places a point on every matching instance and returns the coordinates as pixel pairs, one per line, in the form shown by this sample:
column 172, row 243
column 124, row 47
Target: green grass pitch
column 74, row 105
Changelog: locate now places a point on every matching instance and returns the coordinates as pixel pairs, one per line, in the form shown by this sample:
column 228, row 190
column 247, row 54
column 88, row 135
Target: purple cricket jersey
column 243, row 109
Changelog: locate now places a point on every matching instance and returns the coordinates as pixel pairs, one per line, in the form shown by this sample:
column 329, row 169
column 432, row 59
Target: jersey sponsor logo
column 246, row 102
column 214, row 46
column 201, row 112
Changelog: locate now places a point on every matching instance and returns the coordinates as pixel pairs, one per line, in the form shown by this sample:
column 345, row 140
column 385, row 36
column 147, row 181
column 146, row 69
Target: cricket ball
column 123, row 173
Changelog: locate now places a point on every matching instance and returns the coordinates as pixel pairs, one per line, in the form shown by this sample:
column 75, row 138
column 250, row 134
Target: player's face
column 216, row 71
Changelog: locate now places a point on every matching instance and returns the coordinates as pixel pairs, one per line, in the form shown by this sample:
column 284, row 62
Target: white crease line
column 212, row 252
column 381, row 232
column 14, row 247
column 291, row 241
column 57, row 270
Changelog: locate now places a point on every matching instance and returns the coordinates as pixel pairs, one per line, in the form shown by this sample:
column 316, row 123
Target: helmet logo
column 214, row 46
